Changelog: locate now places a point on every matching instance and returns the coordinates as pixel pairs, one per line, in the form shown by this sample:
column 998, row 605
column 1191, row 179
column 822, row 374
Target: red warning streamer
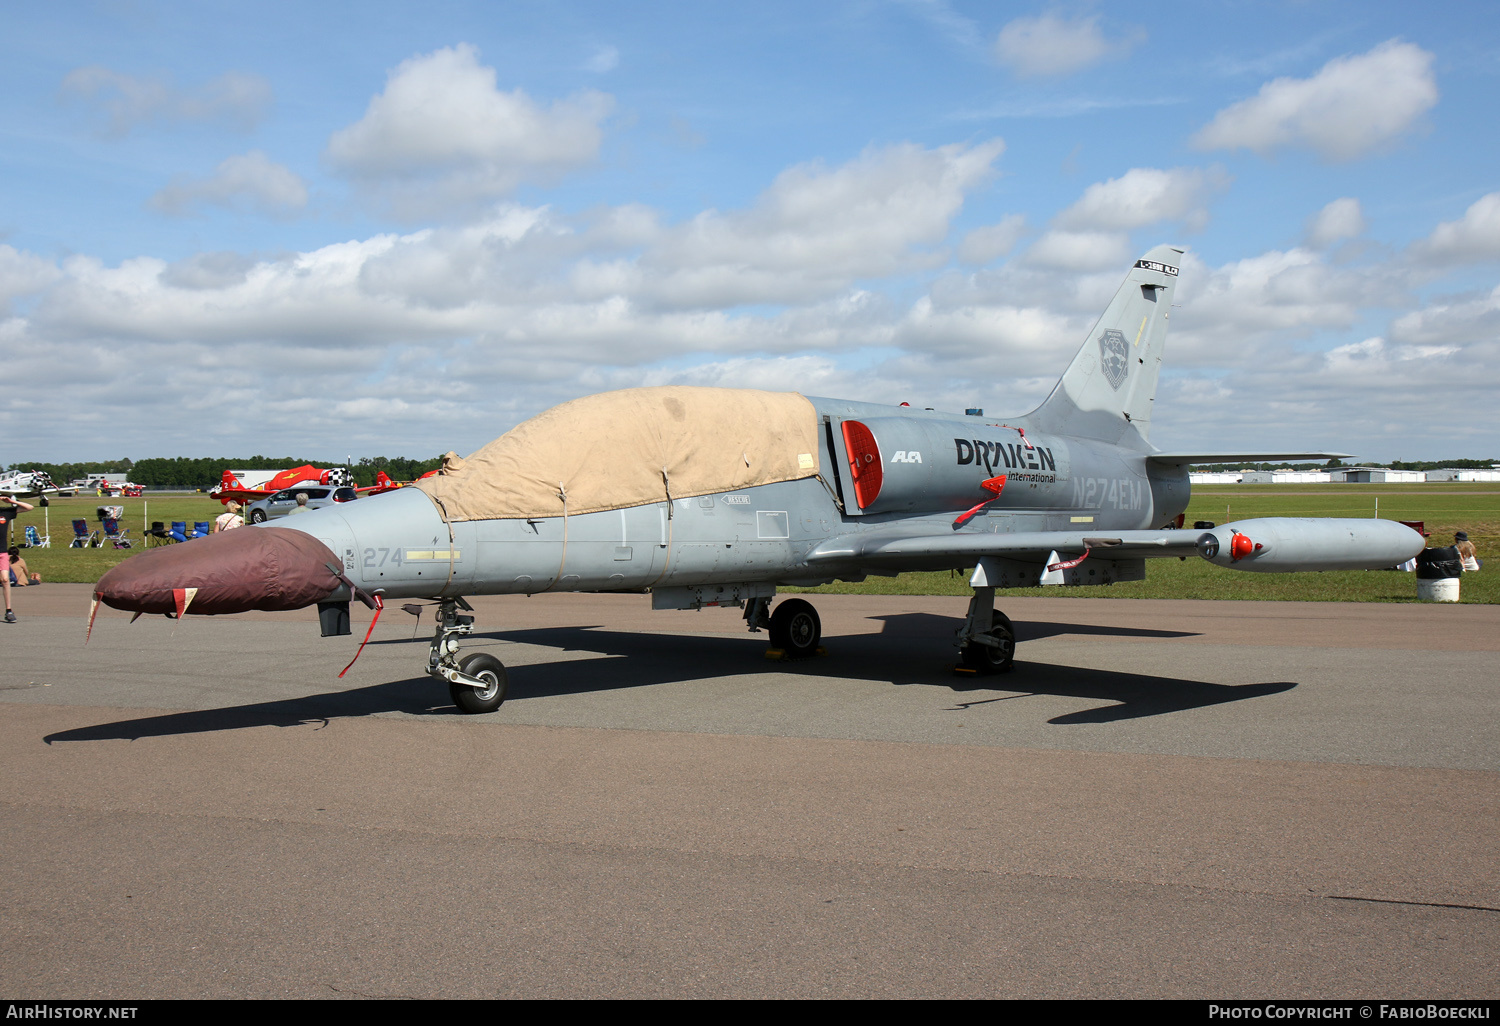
column 379, row 605
column 994, row 484
column 1069, row 563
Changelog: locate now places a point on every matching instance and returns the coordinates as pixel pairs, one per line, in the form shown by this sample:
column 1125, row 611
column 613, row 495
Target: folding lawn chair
column 116, row 537
column 35, row 540
column 200, row 529
column 83, row 538
column 158, row 534
column 179, row 531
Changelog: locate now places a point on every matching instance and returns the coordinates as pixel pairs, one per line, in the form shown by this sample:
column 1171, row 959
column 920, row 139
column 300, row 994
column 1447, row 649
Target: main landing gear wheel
column 796, row 629
column 480, row 700
column 257, row 516
column 998, row 658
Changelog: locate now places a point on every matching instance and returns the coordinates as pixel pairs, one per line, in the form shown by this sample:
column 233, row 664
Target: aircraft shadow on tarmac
column 909, row 652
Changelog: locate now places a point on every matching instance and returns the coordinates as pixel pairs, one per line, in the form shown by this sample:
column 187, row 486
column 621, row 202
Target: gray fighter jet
column 708, row 496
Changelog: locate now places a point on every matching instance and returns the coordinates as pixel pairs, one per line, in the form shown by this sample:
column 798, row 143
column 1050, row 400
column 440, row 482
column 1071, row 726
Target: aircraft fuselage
column 932, row 465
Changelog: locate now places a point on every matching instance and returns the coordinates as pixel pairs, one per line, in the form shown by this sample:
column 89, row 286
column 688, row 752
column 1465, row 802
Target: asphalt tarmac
column 1165, row 799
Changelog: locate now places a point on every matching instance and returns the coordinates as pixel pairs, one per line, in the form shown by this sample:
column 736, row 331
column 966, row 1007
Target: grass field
column 1444, row 507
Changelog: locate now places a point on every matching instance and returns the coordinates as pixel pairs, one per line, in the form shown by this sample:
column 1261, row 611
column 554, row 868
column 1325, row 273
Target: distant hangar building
column 1340, row 475
column 1379, row 475
column 1459, row 474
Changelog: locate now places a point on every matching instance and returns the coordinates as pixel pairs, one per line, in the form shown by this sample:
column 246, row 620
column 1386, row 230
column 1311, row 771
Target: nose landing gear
column 477, row 684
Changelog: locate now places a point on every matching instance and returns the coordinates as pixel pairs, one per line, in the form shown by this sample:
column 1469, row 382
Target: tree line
column 186, row 472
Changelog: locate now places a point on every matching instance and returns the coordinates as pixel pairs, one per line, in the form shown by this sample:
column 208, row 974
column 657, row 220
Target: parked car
column 283, row 502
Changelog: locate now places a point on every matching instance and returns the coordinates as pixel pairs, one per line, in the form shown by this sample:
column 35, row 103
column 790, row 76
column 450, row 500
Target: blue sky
column 390, row 229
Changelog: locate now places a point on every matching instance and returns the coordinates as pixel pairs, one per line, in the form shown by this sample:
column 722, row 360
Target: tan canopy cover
column 630, row 448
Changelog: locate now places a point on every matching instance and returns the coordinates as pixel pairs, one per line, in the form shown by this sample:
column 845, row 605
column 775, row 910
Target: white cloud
column 207, row 271
column 816, row 230
column 1049, row 45
column 1245, row 306
column 989, row 243
column 1080, row 251
column 235, row 99
column 248, row 179
column 1352, row 106
column 604, row 59
column 1146, row 195
column 835, row 280
column 23, row 274
column 1461, row 321
column 1472, row 238
column 1341, row 219
column 442, row 133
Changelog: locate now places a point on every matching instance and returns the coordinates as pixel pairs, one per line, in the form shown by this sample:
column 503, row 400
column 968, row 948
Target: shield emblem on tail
column 1114, row 356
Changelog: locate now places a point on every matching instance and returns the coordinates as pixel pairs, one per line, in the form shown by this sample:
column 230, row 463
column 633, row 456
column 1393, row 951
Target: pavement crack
column 1421, row 904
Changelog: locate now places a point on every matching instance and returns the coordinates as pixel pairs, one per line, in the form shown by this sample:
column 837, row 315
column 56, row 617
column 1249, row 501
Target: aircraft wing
column 241, row 495
column 899, row 550
column 1182, row 459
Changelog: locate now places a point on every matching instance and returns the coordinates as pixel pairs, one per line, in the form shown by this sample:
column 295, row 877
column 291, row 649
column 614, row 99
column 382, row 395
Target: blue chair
column 83, row 538
column 179, row 530
column 35, row 540
column 116, row 537
column 200, row 529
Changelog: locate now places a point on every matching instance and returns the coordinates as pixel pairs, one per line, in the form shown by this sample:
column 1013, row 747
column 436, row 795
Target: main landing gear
column 987, row 640
column 477, row 683
column 796, row 630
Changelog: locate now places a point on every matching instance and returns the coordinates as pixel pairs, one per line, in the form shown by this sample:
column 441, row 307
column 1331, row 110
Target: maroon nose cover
column 232, row 571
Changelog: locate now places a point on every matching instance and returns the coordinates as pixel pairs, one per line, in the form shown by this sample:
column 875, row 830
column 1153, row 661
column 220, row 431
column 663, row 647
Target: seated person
column 1466, row 551
column 20, row 574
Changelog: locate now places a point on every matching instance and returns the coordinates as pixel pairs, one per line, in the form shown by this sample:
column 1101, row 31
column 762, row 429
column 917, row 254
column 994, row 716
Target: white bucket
column 1444, row 589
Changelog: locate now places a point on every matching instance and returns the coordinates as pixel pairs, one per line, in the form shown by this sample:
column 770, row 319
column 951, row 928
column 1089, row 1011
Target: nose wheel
column 487, row 699
column 478, row 682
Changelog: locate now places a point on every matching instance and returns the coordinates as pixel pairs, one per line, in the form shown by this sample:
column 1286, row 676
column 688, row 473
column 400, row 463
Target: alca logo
column 1114, row 356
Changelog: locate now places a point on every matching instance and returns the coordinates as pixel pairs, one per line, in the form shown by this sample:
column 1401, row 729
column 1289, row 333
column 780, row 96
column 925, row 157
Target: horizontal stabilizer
column 1182, row 459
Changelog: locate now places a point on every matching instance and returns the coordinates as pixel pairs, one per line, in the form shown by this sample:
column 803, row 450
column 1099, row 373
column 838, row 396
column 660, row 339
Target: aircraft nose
column 230, row 572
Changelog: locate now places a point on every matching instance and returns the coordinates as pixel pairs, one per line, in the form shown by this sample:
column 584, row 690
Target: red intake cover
column 864, row 462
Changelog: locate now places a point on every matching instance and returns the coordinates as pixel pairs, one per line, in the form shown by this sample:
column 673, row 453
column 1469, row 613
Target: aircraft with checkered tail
column 717, row 497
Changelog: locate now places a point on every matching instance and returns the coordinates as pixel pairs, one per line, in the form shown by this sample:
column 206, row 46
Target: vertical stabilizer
column 1108, row 388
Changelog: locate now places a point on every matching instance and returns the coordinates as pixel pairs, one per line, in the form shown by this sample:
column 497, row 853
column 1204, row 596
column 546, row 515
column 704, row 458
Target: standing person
column 230, row 518
column 301, row 506
column 1466, row 550
column 7, row 514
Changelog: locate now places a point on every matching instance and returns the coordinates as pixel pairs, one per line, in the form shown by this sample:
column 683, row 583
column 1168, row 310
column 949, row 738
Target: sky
column 388, row 229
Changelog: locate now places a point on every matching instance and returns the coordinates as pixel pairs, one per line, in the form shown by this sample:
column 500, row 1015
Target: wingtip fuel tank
column 1279, row 545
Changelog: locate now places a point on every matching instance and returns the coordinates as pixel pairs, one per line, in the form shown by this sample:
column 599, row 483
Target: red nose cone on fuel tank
column 231, row 572
column 1241, row 547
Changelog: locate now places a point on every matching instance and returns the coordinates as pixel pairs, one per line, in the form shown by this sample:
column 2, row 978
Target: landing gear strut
column 987, row 640
column 478, row 683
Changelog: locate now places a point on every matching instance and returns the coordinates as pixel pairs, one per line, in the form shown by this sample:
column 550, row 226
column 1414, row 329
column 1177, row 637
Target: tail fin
column 1109, row 387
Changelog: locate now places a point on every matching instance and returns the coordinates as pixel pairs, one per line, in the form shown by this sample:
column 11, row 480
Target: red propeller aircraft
column 231, row 487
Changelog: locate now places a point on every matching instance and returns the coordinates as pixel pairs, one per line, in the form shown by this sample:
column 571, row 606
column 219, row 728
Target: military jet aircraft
column 710, row 496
